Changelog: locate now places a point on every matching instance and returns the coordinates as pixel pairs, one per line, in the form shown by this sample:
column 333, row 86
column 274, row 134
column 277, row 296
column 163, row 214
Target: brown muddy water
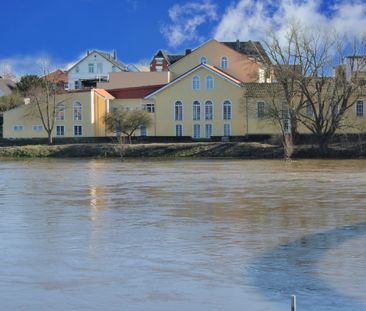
column 182, row 235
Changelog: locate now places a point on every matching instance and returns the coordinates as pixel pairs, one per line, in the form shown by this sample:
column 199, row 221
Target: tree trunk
column 288, row 146
column 323, row 145
column 50, row 138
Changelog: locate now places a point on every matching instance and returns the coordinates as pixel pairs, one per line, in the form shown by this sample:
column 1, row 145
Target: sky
column 62, row 31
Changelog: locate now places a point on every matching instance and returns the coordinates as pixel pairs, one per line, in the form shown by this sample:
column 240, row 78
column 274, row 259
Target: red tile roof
column 134, row 92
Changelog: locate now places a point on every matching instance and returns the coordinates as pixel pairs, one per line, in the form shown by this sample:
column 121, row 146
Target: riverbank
column 245, row 150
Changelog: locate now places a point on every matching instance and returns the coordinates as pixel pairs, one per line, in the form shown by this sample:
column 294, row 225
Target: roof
column 103, row 93
column 134, row 92
column 170, row 58
column 105, row 55
column 249, row 48
column 212, row 69
column 57, row 76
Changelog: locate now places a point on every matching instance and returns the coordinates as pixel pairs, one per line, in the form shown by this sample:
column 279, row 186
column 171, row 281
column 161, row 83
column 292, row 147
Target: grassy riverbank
column 177, row 150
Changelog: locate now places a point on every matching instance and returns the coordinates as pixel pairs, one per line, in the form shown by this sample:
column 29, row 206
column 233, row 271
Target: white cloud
column 185, row 21
column 22, row 65
column 248, row 20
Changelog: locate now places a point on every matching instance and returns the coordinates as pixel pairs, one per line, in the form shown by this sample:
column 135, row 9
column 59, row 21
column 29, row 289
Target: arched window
column 60, row 111
column 226, row 110
column 208, row 110
column 203, row 60
column 77, row 111
column 224, row 62
column 209, row 83
column 196, row 83
column 178, row 111
column 196, row 110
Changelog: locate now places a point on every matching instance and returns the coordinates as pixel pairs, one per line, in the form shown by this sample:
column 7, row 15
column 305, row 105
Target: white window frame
column 227, row 115
column 37, row 128
column 225, row 126
column 91, row 68
column 359, row 108
column 196, row 110
column 60, row 107
column 143, row 131
column 81, row 127
column 208, row 125
column 18, row 128
column 175, row 114
column 226, row 66
column 196, row 125
column 176, row 130
column 261, row 110
column 149, row 107
column 78, row 111
column 210, row 85
column 196, row 83
column 57, row 130
column 203, row 60
column 212, row 110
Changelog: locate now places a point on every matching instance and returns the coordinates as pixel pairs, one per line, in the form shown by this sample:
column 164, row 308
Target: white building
column 93, row 68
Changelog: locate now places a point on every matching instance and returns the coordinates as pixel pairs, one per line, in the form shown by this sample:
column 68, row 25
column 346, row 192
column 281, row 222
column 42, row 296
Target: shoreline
column 235, row 150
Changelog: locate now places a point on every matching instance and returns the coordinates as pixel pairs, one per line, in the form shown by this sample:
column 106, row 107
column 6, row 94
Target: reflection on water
column 180, row 235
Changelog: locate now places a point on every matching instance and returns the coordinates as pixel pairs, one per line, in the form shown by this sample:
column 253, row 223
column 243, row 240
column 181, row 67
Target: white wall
column 83, row 67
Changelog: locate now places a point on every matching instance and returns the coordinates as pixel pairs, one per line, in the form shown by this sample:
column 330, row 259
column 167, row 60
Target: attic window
column 203, row 60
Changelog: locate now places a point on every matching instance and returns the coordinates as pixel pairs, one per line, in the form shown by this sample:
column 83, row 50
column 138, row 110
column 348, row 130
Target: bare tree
column 127, row 122
column 43, row 99
column 303, row 66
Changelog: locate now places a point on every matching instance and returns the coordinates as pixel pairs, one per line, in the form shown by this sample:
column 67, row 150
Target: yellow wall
column 182, row 91
column 27, row 116
column 240, row 66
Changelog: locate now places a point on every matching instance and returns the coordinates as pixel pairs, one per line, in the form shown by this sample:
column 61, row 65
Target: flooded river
column 182, row 235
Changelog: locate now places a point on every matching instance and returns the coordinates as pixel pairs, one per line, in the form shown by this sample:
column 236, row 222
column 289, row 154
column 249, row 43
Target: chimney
column 114, row 55
column 188, row 51
column 237, row 47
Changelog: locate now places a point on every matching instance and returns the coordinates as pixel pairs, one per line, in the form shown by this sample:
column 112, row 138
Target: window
column 359, row 108
column 260, row 110
column 77, row 111
column 77, row 70
column 78, row 130
column 224, row 62
column 196, row 83
column 114, row 68
column 261, row 75
column 159, row 68
column 179, row 130
column 99, row 67
column 208, row 130
column 203, row 60
column 149, row 107
column 18, row 128
column 178, row 111
column 143, row 131
column 196, row 110
column 60, row 130
column 227, row 130
column 208, row 110
column 196, row 131
column 209, row 83
column 91, row 68
column 227, row 110
column 77, row 85
column 309, row 110
column 60, row 112
column 37, row 128
column 159, row 61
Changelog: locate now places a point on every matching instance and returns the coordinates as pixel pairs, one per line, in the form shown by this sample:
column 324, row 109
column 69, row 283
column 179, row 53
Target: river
column 182, row 235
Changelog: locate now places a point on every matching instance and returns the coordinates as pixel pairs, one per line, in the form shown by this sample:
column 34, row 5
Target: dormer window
column 224, row 62
column 203, row 60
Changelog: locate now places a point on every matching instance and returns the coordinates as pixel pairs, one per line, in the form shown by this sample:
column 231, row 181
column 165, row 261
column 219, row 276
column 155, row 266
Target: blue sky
column 63, row 30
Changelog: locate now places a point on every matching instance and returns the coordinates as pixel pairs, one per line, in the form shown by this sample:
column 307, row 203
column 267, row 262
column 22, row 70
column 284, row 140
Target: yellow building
column 78, row 114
